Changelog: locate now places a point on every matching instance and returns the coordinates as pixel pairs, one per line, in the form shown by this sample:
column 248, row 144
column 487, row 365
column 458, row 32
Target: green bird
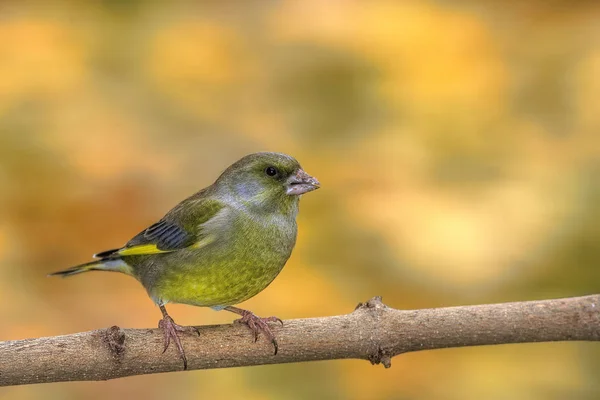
column 220, row 246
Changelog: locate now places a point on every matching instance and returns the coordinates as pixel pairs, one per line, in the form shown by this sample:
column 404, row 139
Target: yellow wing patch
column 141, row 250
column 147, row 249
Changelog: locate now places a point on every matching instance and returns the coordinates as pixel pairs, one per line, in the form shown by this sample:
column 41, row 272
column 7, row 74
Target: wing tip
column 107, row 253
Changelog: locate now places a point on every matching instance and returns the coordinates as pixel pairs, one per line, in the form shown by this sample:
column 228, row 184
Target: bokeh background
column 457, row 144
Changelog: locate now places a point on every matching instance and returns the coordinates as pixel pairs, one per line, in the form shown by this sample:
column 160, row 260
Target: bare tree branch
column 372, row 332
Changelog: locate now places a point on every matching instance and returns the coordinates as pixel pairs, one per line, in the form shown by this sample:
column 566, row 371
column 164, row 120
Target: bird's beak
column 301, row 183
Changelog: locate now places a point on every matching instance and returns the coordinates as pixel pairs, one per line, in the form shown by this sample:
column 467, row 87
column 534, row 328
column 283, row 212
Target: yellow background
column 457, row 144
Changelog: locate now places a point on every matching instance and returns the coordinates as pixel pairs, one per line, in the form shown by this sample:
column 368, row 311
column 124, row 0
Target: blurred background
column 457, row 144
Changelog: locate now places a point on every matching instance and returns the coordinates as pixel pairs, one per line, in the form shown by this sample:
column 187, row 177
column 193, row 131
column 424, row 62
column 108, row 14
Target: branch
column 372, row 332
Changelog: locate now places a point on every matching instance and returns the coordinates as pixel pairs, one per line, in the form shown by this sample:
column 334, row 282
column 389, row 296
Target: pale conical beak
column 301, row 183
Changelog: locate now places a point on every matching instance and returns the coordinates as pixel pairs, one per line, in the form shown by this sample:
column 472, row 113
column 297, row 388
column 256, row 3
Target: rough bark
column 372, row 332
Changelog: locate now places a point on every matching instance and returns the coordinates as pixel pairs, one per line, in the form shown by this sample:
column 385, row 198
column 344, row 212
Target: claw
column 166, row 336
column 167, row 342
column 258, row 325
column 170, row 329
column 273, row 319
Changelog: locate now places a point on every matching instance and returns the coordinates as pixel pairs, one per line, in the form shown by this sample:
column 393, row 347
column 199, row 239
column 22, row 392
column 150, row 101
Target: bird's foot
column 259, row 325
column 170, row 329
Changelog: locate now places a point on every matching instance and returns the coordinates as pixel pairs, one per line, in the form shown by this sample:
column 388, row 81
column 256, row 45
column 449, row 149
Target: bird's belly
column 218, row 281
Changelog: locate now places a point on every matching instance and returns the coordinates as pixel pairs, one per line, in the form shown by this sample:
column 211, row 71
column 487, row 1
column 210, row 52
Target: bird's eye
column 271, row 171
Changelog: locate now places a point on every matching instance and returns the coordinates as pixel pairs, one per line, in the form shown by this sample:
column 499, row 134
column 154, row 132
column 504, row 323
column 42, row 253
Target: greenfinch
column 220, row 246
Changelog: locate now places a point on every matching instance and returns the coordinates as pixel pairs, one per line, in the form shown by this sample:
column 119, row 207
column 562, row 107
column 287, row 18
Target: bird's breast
column 241, row 262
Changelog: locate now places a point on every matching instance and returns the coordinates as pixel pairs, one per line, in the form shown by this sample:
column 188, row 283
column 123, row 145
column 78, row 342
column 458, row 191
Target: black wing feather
column 167, row 236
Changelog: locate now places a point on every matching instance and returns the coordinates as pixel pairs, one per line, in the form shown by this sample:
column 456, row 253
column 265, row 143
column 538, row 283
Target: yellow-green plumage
column 222, row 245
column 238, row 260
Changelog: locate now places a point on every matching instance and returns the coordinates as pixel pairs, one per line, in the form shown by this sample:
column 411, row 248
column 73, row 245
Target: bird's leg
column 170, row 329
column 256, row 324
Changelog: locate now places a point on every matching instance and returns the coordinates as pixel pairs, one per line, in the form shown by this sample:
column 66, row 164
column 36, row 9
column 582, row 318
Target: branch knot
column 376, row 353
column 373, row 303
column 381, row 357
column 114, row 337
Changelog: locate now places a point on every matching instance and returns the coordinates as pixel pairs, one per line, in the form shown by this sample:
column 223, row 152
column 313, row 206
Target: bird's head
column 267, row 181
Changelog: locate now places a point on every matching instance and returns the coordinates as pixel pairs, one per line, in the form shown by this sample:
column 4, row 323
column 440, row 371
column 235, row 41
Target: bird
column 219, row 247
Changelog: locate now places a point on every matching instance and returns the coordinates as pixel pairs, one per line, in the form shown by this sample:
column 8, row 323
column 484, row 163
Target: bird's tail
column 117, row 265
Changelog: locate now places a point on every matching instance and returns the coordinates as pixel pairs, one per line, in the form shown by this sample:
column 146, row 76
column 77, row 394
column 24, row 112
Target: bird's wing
column 181, row 228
